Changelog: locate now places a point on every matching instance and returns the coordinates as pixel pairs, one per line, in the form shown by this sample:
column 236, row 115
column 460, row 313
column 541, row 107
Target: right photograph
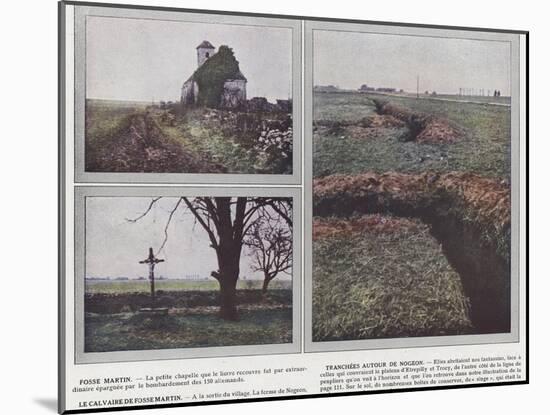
column 411, row 175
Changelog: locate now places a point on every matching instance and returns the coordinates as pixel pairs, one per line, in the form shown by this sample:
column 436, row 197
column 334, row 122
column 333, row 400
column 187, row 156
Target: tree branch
column 153, row 201
column 167, row 225
column 202, row 222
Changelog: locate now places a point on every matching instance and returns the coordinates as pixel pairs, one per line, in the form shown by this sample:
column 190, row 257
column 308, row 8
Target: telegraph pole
column 417, row 85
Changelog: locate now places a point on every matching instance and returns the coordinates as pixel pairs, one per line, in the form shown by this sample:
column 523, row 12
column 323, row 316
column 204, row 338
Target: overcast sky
column 141, row 60
column 115, row 246
column 350, row 59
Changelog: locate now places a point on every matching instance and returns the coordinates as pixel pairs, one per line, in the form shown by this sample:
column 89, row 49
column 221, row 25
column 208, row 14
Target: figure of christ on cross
column 152, row 261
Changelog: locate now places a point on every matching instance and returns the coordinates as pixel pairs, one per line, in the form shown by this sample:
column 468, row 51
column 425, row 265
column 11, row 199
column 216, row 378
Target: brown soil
column 367, row 128
column 376, row 223
column 360, row 133
column 141, row 146
column 488, row 199
column 382, row 121
column 424, row 128
column 438, row 130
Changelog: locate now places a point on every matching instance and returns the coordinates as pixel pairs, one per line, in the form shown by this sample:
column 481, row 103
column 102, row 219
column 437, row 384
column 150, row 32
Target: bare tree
column 227, row 220
column 270, row 244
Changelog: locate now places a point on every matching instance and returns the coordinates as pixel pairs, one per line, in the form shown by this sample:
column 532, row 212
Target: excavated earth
column 382, row 276
column 424, row 128
column 367, row 128
column 469, row 215
column 141, row 146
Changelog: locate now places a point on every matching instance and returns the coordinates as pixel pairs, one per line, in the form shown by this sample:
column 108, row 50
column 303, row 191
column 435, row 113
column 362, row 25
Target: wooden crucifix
column 152, row 261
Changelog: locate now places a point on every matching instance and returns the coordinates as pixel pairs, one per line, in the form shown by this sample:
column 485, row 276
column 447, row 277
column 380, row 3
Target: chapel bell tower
column 204, row 51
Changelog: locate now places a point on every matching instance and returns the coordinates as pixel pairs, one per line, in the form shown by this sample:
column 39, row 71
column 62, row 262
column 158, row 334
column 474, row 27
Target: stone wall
column 189, row 92
column 234, row 94
column 261, row 104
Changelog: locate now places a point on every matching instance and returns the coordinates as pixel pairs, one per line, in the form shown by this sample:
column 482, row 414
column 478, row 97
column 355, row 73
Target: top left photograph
column 178, row 97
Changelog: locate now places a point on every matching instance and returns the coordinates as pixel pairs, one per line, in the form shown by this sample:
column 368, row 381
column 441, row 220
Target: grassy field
column 206, row 137
column 484, row 149
column 393, row 282
column 392, row 279
column 502, row 100
column 136, row 137
column 104, row 117
column 143, row 286
column 202, row 328
column 113, row 320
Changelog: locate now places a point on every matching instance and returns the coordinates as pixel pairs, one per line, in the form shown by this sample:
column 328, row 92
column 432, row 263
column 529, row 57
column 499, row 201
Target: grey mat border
column 407, row 342
column 81, row 192
column 525, row 176
column 62, row 295
column 81, row 176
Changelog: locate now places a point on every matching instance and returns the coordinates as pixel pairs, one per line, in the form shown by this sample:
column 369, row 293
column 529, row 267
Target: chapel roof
column 206, row 45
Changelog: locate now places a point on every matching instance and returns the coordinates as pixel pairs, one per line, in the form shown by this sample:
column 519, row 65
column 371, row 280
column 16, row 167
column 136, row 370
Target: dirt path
column 141, row 145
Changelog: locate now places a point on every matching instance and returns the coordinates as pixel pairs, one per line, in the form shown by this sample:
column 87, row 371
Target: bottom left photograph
column 178, row 270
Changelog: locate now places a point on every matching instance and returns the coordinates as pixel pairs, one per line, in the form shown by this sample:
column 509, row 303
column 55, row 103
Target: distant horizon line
column 154, row 100
column 161, row 278
column 404, row 91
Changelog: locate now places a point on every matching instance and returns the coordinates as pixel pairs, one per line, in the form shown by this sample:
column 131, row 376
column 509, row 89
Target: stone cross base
column 154, row 310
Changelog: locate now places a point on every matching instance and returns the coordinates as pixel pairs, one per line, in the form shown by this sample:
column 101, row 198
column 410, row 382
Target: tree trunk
column 264, row 285
column 228, row 261
column 228, row 307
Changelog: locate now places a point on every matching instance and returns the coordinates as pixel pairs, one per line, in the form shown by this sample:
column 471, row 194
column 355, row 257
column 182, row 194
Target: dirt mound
column 468, row 214
column 360, row 133
column 370, row 121
column 106, row 303
column 141, row 146
column 366, row 128
column 401, row 113
column 424, row 128
column 482, row 202
column 487, row 199
column 382, row 121
column 371, row 224
column 438, row 131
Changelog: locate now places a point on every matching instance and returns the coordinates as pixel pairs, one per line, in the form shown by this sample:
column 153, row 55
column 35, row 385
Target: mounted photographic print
column 412, row 166
column 256, row 207
column 173, row 96
column 176, row 270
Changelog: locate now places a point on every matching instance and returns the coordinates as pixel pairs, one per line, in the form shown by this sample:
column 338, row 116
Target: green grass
column 483, row 99
column 104, row 121
column 212, row 144
column 105, row 118
column 143, row 286
column 484, row 149
column 385, row 285
column 382, row 285
column 134, row 331
column 208, row 139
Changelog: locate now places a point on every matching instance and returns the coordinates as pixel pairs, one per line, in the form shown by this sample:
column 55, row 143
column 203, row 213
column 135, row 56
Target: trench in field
column 484, row 273
column 422, row 127
column 413, row 124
